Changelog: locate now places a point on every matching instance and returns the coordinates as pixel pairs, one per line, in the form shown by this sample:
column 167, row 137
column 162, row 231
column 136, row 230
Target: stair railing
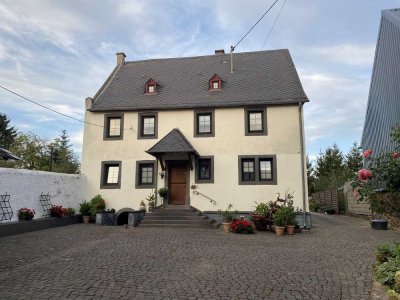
column 205, row 196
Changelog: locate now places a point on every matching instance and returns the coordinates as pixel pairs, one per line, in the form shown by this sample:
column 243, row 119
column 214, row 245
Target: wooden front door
column 177, row 183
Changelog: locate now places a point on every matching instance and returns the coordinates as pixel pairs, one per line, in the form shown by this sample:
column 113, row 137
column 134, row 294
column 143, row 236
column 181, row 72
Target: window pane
column 255, row 121
column 265, row 170
column 204, row 123
column 248, row 170
column 215, row 85
column 146, row 174
column 112, row 174
column 204, row 169
column 114, row 127
column 151, row 88
column 148, row 125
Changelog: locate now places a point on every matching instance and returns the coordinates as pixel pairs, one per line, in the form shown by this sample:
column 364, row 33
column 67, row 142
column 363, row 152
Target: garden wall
column 26, row 186
column 354, row 206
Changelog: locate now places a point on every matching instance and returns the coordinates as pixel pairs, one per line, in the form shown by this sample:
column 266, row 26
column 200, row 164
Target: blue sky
column 60, row 52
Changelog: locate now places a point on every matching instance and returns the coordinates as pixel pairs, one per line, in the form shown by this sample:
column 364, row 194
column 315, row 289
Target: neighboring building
column 383, row 110
column 192, row 125
column 7, row 155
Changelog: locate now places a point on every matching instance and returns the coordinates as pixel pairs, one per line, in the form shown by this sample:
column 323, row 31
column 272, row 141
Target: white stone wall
column 26, row 186
column 353, row 204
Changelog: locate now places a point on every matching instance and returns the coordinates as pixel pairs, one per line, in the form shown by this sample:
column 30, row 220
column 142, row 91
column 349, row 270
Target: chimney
column 219, row 51
column 120, row 58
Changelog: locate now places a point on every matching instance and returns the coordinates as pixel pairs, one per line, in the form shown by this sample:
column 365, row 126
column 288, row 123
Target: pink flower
column 367, row 153
column 396, row 155
column 364, row 174
column 356, row 194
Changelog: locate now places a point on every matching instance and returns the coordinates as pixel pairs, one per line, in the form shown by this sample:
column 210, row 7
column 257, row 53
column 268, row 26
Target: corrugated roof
column 173, row 142
column 263, row 77
column 6, row 155
column 393, row 15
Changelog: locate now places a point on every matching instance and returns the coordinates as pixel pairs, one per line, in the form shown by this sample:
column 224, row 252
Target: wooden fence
column 327, row 198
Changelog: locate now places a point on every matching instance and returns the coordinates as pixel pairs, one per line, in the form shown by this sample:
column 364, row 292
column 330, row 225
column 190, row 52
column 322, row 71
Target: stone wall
column 354, row 206
column 26, row 186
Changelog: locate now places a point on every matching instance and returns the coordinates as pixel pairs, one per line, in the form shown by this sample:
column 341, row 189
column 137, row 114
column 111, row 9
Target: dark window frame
column 197, row 169
column 138, row 184
column 106, row 131
column 141, row 117
column 104, row 174
column 247, row 112
column 247, row 160
column 198, row 113
column 257, row 176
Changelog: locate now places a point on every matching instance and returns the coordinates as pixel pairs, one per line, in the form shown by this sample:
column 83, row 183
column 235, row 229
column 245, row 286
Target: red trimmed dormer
column 150, row 87
column 215, row 83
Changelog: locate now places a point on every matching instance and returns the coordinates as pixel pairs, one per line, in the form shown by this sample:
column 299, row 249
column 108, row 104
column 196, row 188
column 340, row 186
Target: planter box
column 105, row 218
column 379, row 224
column 12, row 228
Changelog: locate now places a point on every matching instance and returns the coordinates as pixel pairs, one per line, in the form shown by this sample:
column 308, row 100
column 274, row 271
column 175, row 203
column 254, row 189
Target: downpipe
column 302, row 154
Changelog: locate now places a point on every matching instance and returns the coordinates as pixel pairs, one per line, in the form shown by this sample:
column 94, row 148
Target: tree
column 7, row 132
column 354, row 160
column 64, row 158
column 310, row 176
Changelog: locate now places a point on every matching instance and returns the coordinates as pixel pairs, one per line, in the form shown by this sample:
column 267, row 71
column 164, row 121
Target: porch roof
column 173, row 142
column 6, row 155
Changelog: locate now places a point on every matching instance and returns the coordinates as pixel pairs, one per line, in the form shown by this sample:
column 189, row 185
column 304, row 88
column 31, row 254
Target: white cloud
column 350, row 54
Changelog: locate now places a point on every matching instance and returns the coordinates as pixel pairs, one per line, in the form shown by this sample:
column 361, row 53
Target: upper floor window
column 215, row 83
column 204, row 123
column 151, row 87
column 255, row 121
column 147, row 125
column 113, row 126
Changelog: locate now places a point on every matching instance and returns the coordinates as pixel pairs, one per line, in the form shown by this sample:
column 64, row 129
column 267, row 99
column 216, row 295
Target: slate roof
column 6, row 155
column 259, row 78
column 173, row 142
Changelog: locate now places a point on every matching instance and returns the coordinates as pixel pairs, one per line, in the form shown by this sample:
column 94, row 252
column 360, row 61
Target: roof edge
column 107, row 82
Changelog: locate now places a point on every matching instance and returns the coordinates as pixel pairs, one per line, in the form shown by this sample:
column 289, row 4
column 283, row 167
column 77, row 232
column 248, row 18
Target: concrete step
column 173, row 213
column 174, row 221
column 174, row 217
column 176, row 225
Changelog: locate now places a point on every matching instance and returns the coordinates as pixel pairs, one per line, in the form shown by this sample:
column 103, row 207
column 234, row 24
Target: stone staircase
column 176, row 217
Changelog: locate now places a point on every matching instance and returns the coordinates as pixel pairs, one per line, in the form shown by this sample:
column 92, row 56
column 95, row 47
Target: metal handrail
column 205, row 196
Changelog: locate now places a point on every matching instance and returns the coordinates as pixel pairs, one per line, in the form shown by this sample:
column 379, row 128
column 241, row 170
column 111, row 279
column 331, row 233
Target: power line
column 273, row 25
column 48, row 108
column 233, row 47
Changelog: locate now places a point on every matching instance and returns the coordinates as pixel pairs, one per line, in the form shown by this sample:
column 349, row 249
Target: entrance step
column 176, row 217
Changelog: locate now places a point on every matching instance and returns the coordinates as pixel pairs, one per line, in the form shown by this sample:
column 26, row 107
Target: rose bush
column 242, row 226
column 26, row 214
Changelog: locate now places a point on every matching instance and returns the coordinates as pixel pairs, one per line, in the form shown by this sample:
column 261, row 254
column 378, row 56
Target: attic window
column 215, row 83
column 151, row 87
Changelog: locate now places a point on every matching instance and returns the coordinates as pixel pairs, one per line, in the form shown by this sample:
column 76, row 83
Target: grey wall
column 383, row 110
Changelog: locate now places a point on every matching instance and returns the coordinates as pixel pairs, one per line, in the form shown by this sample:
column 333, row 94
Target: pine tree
column 354, row 159
column 310, row 176
column 64, row 158
column 7, row 133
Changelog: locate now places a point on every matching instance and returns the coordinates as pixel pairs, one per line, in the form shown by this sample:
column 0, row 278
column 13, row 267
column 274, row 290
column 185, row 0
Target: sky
column 60, row 52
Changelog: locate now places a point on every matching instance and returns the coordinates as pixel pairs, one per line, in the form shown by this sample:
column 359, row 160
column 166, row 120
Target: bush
column 227, row 215
column 261, row 209
column 163, row 192
column 85, row 208
column 242, row 226
column 26, row 213
column 387, row 268
column 58, row 211
column 97, row 203
column 70, row 211
column 315, row 206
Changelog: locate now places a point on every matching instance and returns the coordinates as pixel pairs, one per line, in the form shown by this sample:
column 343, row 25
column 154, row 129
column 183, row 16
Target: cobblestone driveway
column 332, row 261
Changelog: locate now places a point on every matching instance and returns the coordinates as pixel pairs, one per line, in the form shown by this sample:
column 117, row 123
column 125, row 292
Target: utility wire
column 233, row 47
column 273, row 25
column 48, row 108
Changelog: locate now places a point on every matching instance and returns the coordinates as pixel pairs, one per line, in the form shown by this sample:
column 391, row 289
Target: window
column 150, row 87
column 255, row 121
column 113, row 126
column 145, row 174
column 215, row 83
column 147, row 126
column 257, row 169
column 204, row 123
column 110, row 175
column 204, row 169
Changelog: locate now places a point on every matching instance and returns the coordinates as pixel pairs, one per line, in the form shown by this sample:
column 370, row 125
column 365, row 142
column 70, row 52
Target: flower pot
column 226, row 227
column 379, row 224
column 25, row 219
column 86, row 219
column 279, row 230
column 290, row 229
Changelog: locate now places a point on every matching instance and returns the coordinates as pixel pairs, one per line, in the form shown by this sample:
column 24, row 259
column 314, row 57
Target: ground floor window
column 110, row 175
column 257, row 169
column 204, row 169
column 145, row 173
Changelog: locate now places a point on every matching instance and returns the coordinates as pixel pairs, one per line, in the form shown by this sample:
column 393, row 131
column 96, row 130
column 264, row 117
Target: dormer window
column 215, row 83
column 151, row 87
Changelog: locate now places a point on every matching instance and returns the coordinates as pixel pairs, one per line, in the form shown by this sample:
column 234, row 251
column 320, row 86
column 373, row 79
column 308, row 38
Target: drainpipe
column 302, row 162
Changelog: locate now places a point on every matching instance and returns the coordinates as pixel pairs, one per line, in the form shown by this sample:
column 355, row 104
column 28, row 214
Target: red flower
column 396, row 155
column 364, row 174
column 367, row 153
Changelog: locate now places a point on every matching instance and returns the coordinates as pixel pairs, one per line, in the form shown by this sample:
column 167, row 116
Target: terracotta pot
column 227, row 227
column 86, row 219
column 279, row 230
column 290, row 229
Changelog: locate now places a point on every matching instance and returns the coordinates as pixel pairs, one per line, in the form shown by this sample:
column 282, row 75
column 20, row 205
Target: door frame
column 166, row 180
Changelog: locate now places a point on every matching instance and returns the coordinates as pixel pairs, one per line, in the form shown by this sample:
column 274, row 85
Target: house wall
column 283, row 140
column 26, row 186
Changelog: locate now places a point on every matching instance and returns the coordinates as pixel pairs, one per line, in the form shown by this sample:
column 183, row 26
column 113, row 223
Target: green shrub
column 85, row 208
column 387, row 269
column 261, row 209
column 97, row 203
column 70, row 211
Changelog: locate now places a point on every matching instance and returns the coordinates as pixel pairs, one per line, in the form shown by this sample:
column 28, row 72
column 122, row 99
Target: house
column 214, row 132
column 383, row 109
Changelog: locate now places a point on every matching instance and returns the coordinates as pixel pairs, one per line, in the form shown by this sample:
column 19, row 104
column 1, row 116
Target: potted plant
column 151, row 200
column 291, row 217
column 25, row 214
column 58, row 211
column 85, row 210
column 242, row 226
column 280, row 220
column 260, row 216
column 379, row 183
column 227, row 217
column 70, row 211
column 97, row 204
column 163, row 192
column 142, row 205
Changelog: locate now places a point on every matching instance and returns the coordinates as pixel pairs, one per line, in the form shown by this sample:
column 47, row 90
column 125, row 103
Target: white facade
column 283, row 140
